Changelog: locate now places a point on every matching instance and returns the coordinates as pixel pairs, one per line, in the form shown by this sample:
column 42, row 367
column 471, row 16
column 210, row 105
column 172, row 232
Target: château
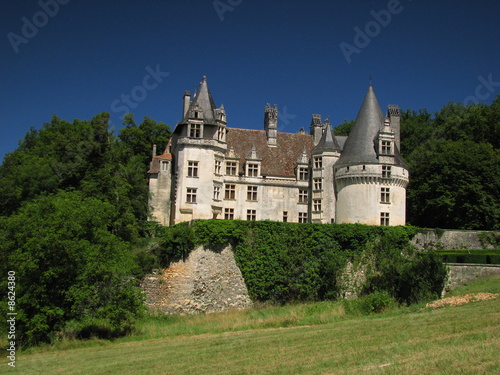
column 210, row 170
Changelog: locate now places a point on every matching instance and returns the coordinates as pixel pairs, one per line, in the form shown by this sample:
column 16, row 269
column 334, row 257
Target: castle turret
column 370, row 176
column 324, row 155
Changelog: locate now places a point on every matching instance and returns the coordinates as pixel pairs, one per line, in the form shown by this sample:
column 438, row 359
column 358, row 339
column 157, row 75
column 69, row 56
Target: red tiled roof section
column 280, row 160
column 155, row 163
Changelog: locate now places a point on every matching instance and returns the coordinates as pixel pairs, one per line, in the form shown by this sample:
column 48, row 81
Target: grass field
column 324, row 338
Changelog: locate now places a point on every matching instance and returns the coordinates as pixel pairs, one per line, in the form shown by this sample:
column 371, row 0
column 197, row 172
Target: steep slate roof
column 359, row 147
column 328, row 141
column 203, row 99
column 276, row 161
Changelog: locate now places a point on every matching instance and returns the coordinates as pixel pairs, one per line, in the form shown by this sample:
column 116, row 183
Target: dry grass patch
column 462, row 300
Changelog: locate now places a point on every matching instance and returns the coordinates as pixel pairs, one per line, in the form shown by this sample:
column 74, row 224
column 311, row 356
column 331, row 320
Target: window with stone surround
column 217, row 192
column 252, row 169
column 386, row 171
column 251, row 215
column 318, row 184
column 384, row 218
column 193, row 168
column 318, row 162
column 386, row 148
column 302, row 196
column 303, row 173
column 229, row 213
column 316, row 205
column 195, row 131
column 252, row 193
column 231, row 168
column 191, row 195
column 230, row 192
column 218, row 167
column 385, row 195
column 285, row 216
column 302, row 217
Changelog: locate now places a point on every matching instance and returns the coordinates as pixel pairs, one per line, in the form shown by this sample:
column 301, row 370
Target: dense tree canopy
column 454, row 166
column 74, row 202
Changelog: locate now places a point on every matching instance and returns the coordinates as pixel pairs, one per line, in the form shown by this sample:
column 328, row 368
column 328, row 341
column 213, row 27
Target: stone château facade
column 209, row 170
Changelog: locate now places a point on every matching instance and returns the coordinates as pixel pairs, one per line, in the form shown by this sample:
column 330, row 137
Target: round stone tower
column 370, row 175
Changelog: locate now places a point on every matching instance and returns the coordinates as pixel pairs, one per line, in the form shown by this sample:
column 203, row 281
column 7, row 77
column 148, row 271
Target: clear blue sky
column 87, row 54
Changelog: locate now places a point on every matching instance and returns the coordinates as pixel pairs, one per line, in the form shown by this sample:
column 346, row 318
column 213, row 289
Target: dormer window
column 252, row 169
column 386, row 148
column 303, row 173
column 195, row 130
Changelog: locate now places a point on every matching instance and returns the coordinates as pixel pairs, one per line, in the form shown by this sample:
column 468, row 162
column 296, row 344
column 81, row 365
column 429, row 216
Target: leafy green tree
column 69, row 267
column 454, row 184
column 141, row 138
column 343, row 129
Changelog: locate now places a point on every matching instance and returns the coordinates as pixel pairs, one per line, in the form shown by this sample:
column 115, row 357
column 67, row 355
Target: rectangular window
column 230, row 192
column 285, row 216
column 386, row 171
column 302, row 217
column 318, row 184
column 252, row 193
column 231, row 168
column 316, row 205
column 303, row 173
column 318, row 162
column 218, row 167
column 191, row 195
column 302, row 196
column 384, row 218
column 192, row 169
column 220, row 133
column 385, row 195
column 386, row 147
column 251, row 215
column 164, row 165
column 217, row 193
column 195, row 131
column 229, row 213
column 253, row 170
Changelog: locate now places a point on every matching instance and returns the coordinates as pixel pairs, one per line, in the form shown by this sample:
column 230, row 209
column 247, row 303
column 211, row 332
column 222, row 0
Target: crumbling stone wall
column 207, row 281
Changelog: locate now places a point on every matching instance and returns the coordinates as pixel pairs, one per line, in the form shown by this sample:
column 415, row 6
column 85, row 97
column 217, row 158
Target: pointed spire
column 203, row 102
column 359, row 147
column 328, row 142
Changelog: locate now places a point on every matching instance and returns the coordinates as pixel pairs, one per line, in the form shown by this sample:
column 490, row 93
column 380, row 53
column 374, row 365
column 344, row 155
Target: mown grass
column 319, row 338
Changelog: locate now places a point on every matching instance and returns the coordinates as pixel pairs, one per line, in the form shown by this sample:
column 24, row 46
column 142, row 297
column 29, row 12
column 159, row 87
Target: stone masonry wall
column 207, row 281
column 451, row 240
column 462, row 274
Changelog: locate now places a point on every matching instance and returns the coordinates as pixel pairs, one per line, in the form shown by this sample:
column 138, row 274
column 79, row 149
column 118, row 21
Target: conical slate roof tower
column 370, row 176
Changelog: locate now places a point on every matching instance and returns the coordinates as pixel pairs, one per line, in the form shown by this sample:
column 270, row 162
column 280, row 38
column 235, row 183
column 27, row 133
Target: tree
column 343, row 129
column 455, row 184
column 140, row 139
column 69, row 267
